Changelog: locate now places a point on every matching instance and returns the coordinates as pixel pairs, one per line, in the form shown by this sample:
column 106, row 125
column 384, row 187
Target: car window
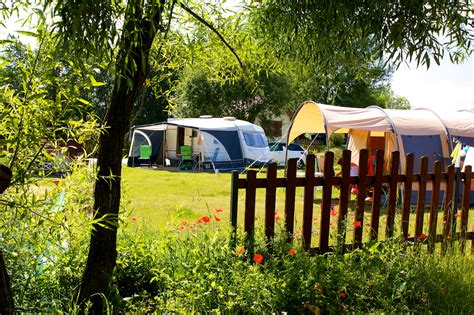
column 295, row 147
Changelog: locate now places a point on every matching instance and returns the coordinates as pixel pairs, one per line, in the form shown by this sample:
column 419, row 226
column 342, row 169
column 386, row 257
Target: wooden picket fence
column 388, row 184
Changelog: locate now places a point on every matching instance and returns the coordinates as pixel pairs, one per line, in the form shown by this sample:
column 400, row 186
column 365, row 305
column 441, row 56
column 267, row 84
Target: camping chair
column 186, row 159
column 145, row 153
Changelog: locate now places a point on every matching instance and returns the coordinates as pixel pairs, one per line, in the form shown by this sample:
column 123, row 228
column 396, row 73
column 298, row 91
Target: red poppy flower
column 457, row 215
column 239, row 250
column 357, row 224
column 315, row 219
column 206, row 219
column 133, row 219
column 184, row 222
column 182, row 227
column 333, row 213
column 277, row 218
column 292, row 252
column 219, row 210
column 422, row 236
column 216, row 218
column 191, row 227
column 258, row 258
column 342, row 295
column 276, row 212
column 200, row 221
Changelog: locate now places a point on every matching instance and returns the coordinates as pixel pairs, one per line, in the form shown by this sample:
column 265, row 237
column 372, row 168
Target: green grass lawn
column 162, row 199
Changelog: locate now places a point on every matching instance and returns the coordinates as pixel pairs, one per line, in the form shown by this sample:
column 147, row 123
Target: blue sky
column 447, row 86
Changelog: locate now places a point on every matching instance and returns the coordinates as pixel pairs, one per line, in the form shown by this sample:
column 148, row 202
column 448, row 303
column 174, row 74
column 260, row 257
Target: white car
column 278, row 151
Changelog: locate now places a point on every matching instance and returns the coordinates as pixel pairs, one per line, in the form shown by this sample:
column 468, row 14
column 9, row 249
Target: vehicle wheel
column 300, row 164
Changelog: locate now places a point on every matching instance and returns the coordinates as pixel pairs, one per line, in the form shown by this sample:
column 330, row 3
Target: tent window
column 255, row 140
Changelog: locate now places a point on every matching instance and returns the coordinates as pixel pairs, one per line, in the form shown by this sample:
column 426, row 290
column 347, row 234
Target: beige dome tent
column 421, row 132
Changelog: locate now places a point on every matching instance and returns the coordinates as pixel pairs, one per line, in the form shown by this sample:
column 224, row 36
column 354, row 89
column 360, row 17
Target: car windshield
column 295, row 147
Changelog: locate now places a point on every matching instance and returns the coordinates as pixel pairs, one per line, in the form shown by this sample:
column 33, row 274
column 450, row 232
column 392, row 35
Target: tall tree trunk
column 132, row 66
column 6, row 297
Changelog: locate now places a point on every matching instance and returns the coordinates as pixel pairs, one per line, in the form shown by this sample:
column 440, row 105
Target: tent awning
column 311, row 117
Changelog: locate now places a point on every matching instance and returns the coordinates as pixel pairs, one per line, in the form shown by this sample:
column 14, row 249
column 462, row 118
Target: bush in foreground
column 198, row 271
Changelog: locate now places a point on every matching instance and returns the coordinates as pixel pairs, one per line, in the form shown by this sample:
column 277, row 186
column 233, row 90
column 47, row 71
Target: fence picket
column 448, row 208
column 249, row 220
column 420, row 206
column 308, row 201
column 290, row 197
column 435, row 192
column 344, row 196
column 270, row 202
column 377, row 196
column 392, row 196
column 326, row 202
column 465, row 206
column 360, row 203
column 407, row 190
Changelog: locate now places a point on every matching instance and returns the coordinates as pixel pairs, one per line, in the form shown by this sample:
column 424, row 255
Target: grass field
column 161, row 199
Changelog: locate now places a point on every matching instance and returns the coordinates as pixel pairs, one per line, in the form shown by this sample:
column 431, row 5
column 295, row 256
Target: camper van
column 204, row 143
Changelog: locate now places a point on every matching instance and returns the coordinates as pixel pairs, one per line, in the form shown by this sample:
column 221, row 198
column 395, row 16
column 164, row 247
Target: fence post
column 234, row 205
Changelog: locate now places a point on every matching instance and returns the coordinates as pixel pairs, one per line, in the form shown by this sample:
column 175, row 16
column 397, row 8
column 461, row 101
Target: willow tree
column 339, row 32
column 122, row 33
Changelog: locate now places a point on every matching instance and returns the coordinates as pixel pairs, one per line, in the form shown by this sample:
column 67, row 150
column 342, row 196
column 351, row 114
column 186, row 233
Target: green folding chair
column 186, row 158
column 145, row 153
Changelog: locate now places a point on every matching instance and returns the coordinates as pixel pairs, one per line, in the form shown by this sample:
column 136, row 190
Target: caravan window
column 256, row 140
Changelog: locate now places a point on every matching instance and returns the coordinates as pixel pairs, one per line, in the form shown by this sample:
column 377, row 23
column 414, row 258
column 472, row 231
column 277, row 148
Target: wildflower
column 277, row 218
column 422, row 236
column 200, row 221
column 133, row 219
column 357, row 224
column 342, row 295
column 258, row 258
column 206, row 219
column 219, row 210
column 457, row 215
column 315, row 218
column 333, row 213
column 184, row 222
column 216, row 218
column 191, row 227
column 239, row 250
column 182, row 227
column 292, row 252
column 332, row 206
